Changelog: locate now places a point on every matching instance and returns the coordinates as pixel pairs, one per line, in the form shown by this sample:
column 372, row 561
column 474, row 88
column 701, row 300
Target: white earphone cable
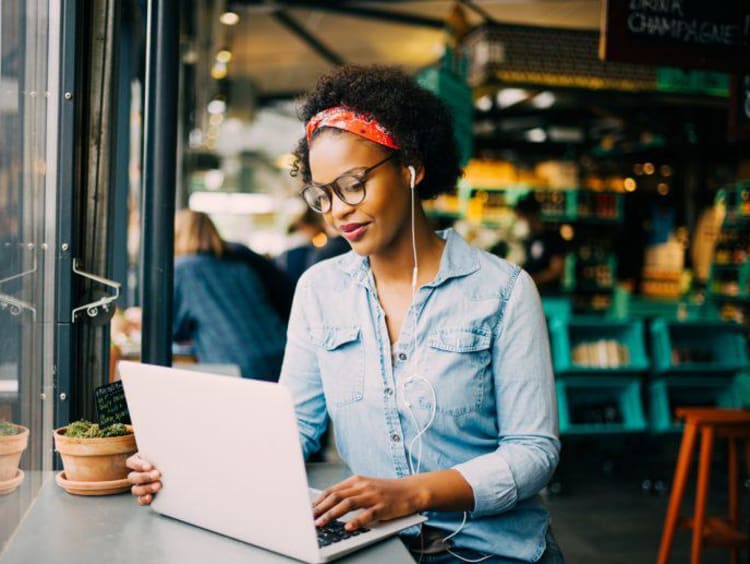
column 412, row 378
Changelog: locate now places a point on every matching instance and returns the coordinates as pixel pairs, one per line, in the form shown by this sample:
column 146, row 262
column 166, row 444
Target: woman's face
column 377, row 225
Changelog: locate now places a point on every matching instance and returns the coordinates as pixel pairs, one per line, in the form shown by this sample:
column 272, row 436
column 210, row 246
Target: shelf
column 598, row 339
column 721, row 343
column 667, row 394
column 730, row 297
column 558, row 206
column 640, row 307
column 731, row 266
column 600, row 406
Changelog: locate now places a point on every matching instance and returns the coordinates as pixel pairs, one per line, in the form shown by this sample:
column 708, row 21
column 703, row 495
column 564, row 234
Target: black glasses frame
column 360, row 176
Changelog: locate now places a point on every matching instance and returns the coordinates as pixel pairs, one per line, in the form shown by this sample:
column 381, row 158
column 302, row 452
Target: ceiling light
column 219, row 70
column 665, row 170
column 217, row 106
column 224, row 56
column 484, row 104
column 663, row 188
column 536, row 135
column 649, row 168
column 543, row 100
column 630, row 185
column 229, row 18
column 510, row 96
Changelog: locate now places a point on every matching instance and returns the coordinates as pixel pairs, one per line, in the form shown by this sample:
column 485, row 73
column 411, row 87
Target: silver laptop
column 231, row 461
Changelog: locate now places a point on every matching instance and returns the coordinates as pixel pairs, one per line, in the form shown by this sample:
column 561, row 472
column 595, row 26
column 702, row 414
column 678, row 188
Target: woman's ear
column 418, row 173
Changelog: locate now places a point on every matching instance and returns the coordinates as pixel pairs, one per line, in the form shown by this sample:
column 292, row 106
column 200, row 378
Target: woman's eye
column 350, row 184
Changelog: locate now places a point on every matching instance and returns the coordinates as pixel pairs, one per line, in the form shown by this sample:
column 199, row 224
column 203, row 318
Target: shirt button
column 395, row 438
column 402, row 356
column 389, row 391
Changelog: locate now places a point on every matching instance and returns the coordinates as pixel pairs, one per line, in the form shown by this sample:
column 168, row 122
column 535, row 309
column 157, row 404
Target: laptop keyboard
column 335, row 532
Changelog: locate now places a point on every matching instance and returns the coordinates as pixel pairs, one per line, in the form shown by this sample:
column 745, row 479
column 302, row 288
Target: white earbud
column 413, row 173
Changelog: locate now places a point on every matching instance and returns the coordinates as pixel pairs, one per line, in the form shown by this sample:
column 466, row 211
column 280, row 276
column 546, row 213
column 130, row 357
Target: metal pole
column 159, row 173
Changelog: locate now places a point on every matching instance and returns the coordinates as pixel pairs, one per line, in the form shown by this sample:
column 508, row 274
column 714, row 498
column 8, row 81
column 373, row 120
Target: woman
column 221, row 303
column 430, row 357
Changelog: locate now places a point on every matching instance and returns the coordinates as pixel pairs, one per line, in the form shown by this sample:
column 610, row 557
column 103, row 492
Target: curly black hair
column 418, row 120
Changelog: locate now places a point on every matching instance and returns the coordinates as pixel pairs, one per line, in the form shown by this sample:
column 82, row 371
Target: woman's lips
column 354, row 231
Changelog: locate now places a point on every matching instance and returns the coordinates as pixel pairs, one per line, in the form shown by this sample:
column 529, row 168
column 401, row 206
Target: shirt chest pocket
column 456, row 364
column 341, row 358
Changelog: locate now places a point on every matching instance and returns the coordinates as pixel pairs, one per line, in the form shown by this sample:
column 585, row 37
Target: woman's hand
column 145, row 479
column 381, row 499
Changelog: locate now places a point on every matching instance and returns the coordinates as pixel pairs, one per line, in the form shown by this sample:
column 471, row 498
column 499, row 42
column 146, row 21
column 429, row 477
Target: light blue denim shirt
column 478, row 335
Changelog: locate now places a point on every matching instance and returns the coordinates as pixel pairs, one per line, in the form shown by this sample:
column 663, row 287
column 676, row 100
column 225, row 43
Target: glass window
column 27, row 228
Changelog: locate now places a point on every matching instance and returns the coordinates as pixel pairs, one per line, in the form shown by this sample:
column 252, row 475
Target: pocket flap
column 461, row 340
column 335, row 337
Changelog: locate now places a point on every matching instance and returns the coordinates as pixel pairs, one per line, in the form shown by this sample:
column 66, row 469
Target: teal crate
column 553, row 211
column 730, row 280
column 557, row 308
column 667, row 394
column 588, row 405
column 592, row 332
column 673, row 310
column 717, row 347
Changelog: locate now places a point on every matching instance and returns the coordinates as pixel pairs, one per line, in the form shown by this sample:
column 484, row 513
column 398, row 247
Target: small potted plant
column 94, row 457
column 13, row 441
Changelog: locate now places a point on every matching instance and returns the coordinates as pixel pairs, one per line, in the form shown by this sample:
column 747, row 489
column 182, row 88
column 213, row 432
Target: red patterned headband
column 363, row 125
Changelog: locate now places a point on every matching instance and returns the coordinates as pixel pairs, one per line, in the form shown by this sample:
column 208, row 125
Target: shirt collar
column 459, row 259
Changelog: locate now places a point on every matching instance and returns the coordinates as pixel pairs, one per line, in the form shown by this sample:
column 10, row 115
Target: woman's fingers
column 146, row 489
column 144, row 478
column 137, row 478
column 138, row 464
column 365, row 518
column 337, row 506
column 326, row 502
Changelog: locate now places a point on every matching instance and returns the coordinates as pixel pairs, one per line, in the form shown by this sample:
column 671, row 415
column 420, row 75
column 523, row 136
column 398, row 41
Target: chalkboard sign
column 111, row 405
column 683, row 33
column 739, row 107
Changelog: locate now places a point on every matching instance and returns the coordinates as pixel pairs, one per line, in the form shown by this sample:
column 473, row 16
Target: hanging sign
column 683, row 33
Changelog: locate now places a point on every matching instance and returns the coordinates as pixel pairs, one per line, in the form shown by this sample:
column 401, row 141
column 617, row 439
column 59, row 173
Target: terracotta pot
column 11, row 448
column 95, row 460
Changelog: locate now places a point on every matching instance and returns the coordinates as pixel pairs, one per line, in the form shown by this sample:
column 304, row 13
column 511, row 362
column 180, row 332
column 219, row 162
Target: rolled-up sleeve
column 300, row 373
column 528, row 448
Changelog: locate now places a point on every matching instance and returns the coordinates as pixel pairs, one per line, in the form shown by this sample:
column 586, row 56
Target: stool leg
column 734, row 495
column 678, row 489
column 704, row 474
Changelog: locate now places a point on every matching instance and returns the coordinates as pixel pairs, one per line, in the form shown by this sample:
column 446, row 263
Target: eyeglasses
column 349, row 188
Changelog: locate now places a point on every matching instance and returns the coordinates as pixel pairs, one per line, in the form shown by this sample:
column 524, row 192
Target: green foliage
column 7, row 429
column 86, row 430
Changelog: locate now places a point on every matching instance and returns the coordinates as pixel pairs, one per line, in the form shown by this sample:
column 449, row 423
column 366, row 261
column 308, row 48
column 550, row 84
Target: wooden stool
column 731, row 424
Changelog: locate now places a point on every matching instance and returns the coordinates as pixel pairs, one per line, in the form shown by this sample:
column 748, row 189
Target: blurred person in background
column 221, row 303
column 319, row 242
column 544, row 248
column 304, row 232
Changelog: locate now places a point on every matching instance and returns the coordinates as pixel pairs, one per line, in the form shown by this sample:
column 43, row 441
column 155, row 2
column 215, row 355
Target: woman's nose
column 340, row 208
